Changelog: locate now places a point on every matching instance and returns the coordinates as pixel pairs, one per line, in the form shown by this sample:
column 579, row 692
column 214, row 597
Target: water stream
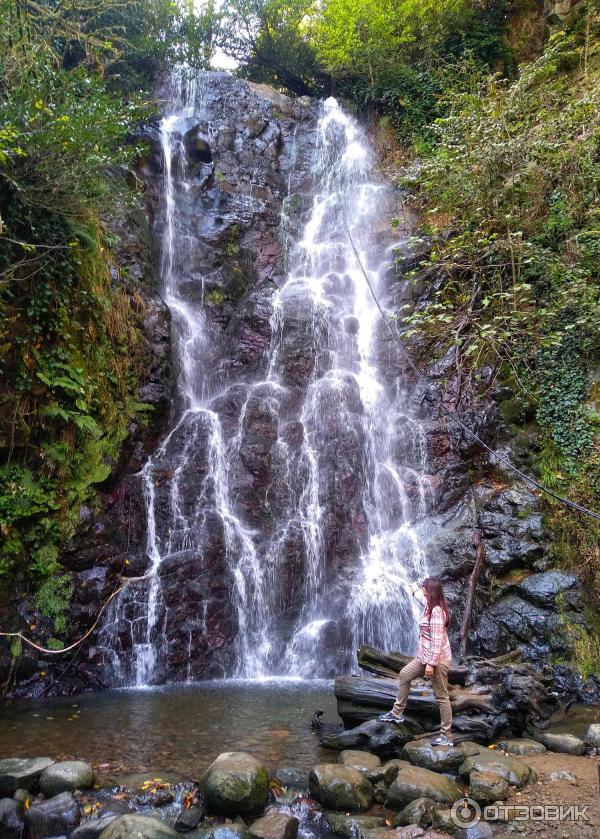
column 348, row 489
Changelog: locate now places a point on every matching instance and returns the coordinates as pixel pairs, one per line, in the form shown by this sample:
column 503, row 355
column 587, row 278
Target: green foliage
column 71, row 352
column 269, row 40
column 510, row 190
column 52, row 600
column 515, row 174
column 401, row 59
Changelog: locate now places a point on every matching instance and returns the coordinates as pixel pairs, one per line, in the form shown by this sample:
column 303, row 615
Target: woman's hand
column 428, row 670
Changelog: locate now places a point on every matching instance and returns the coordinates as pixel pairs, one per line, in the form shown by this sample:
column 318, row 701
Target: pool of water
column 176, row 729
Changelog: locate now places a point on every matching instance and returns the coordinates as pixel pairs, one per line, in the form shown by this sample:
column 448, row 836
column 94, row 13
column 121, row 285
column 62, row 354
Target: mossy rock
column 235, row 784
column 340, row 787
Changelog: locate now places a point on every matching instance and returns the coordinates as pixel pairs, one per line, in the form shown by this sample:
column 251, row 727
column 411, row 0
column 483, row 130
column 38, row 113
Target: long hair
column 434, row 594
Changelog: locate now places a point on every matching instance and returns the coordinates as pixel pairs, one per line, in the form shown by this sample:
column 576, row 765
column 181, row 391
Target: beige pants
column 439, row 682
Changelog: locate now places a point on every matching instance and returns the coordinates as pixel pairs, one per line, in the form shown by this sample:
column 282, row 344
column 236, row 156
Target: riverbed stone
column 385, row 739
column 592, row 735
column 189, row 817
column 57, row 816
column 558, row 741
column 387, row 772
column 235, row 784
column 486, row 787
column 66, row 776
column 11, row 819
column 421, row 811
column 481, row 830
column 274, row 826
column 233, row 830
column 437, row 758
column 340, row 787
column 363, row 761
column 92, row 829
column 293, row 777
column 352, row 826
column 415, row 782
column 520, row 746
column 515, row 771
column 138, row 827
column 21, row 772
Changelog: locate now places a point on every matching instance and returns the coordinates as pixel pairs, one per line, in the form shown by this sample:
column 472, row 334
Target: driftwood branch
column 468, row 613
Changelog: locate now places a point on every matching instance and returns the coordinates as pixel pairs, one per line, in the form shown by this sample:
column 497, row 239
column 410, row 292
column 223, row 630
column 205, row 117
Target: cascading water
column 325, row 562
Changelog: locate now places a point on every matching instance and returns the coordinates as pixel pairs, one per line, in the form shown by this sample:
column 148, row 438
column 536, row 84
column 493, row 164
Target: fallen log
column 390, row 664
column 374, row 695
column 493, row 695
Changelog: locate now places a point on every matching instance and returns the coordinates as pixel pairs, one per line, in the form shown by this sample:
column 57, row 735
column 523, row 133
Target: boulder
column 384, row 739
column 275, row 826
column 414, row 782
column 57, row 816
column 545, row 587
column 11, row 819
column 421, row 811
column 557, row 741
column 340, row 787
column 437, row 758
column 21, row 772
column 520, row 746
column 189, row 818
column 292, row 777
column 138, row 827
column 353, row 826
column 486, row 787
column 235, row 784
column 592, row 735
column 363, row 761
column 512, row 769
column 66, row 776
column 92, row 829
column 386, row 773
column 235, row 830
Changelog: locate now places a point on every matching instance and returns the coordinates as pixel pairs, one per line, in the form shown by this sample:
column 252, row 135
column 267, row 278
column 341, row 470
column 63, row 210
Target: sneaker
column 442, row 740
column 391, row 717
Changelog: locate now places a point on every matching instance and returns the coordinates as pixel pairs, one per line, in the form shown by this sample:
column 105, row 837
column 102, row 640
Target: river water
column 176, row 730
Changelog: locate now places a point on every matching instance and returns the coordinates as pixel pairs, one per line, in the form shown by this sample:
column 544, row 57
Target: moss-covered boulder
column 421, row 811
column 414, row 782
column 486, row 787
column 515, row 771
column 235, row 784
column 437, row 758
column 340, row 787
column 353, row 826
column 363, row 761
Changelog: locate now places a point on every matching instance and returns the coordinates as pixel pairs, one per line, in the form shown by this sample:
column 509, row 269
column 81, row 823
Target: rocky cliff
column 247, row 163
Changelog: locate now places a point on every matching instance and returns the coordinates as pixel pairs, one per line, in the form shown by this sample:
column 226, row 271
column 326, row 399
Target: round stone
column 235, row 784
column 66, row 776
column 340, row 787
column 363, row 761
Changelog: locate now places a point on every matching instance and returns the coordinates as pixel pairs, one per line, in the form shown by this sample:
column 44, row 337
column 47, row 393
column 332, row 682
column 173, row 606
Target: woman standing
column 432, row 660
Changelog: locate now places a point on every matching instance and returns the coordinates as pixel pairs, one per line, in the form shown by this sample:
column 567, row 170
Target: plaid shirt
column 433, row 645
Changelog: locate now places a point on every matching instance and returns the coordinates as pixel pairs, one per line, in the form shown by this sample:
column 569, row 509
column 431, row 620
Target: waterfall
column 324, row 562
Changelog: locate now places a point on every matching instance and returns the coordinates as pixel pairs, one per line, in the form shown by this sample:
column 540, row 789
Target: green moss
column 215, row 297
